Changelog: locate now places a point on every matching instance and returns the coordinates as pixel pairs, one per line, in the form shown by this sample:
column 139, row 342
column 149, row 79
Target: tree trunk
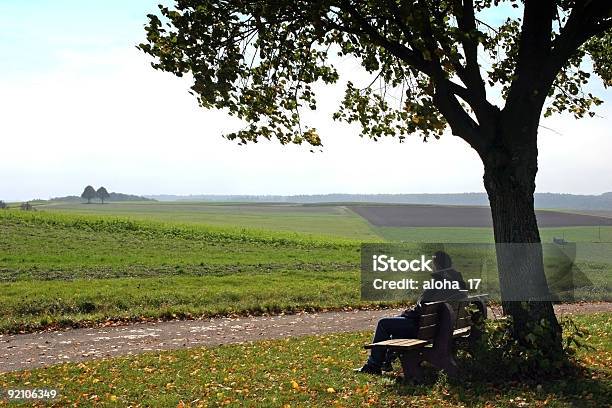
column 510, row 170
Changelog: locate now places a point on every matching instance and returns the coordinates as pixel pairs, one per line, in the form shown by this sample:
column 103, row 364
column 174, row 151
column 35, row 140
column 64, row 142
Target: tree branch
column 445, row 96
column 459, row 120
column 397, row 49
column 472, row 77
column 584, row 22
column 461, row 123
column 467, row 23
column 534, row 50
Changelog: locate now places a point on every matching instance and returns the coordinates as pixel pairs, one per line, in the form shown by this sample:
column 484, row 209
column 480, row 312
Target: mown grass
column 311, row 371
column 29, row 306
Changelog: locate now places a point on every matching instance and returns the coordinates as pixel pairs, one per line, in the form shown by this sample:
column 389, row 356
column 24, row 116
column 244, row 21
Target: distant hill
column 542, row 200
column 113, row 197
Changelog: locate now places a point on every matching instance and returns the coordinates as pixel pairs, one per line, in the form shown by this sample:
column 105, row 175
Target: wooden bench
column 439, row 324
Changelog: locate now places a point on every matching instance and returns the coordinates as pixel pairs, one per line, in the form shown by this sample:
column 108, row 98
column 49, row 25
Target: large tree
column 434, row 63
column 102, row 194
column 89, row 194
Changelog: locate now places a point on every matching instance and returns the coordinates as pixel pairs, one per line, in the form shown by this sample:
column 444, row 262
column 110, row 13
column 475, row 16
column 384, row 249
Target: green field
column 58, row 269
column 319, row 219
column 77, row 264
column 58, row 246
column 308, row 371
column 329, row 220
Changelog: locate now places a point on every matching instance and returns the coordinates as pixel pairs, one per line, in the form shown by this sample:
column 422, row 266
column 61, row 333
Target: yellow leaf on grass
column 295, row 385
column 331, row 390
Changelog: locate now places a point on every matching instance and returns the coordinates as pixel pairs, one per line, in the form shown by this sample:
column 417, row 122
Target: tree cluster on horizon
column 90, row 193
column 27, row 206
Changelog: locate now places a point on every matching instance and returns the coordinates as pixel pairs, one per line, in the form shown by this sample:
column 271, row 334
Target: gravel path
column 26, row 351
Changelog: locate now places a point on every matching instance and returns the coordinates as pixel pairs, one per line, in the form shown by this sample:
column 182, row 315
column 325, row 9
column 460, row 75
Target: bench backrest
column 430, row 318
column 436, row 324
column 435, row 317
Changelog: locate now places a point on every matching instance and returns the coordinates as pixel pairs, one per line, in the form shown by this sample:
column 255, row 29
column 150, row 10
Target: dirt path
column 28, row 351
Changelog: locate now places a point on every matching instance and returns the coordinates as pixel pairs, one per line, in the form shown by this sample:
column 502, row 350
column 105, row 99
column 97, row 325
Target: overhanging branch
column 445, row 96
column 534, row 50
column 585, row 21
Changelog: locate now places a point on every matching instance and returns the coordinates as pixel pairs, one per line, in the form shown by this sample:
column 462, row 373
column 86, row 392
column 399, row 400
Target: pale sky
column 80, row 105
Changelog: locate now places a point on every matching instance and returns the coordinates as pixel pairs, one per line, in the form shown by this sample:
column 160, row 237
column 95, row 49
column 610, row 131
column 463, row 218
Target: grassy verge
column 35, row 305
column 311, row 371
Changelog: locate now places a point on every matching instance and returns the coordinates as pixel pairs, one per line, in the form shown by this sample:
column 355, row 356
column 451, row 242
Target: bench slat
column 430, row 308
column 463, row 322
column 462, row 332
column 412, row 343
column 428, row 319
column 427, row 332
column 398, row 343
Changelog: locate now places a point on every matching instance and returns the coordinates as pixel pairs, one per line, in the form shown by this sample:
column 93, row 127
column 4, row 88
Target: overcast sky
column 80, row 105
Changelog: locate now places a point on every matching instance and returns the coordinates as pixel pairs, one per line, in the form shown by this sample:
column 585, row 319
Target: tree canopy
column 434, row 63
column 89, row 194
column 102, row 194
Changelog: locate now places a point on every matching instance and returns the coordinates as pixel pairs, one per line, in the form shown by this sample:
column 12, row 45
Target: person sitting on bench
column 405, row 326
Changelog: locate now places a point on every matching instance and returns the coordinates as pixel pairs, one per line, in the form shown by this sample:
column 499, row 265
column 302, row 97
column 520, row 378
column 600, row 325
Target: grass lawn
column 33, row 305
column 304, row 372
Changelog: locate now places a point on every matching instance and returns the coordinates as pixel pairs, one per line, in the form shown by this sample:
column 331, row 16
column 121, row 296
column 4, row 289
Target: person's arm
column 414, row 310
column 429, row 295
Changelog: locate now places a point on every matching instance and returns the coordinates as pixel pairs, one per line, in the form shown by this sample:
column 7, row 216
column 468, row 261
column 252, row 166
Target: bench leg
column 442, row 361
column 411, row 366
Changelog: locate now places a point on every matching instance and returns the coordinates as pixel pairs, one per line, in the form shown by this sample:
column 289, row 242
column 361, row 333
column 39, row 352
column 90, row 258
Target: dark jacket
column 440, row 295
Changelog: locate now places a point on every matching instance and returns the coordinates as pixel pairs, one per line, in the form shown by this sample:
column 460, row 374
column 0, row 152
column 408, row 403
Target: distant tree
column 3, row 205
column 89, row 193
column 102, row 194
column 26, row 207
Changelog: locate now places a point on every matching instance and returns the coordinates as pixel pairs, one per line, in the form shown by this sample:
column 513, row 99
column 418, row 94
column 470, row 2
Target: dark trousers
column 391, row 328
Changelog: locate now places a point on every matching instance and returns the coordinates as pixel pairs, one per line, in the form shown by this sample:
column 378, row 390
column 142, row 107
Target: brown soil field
column 401, row 215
